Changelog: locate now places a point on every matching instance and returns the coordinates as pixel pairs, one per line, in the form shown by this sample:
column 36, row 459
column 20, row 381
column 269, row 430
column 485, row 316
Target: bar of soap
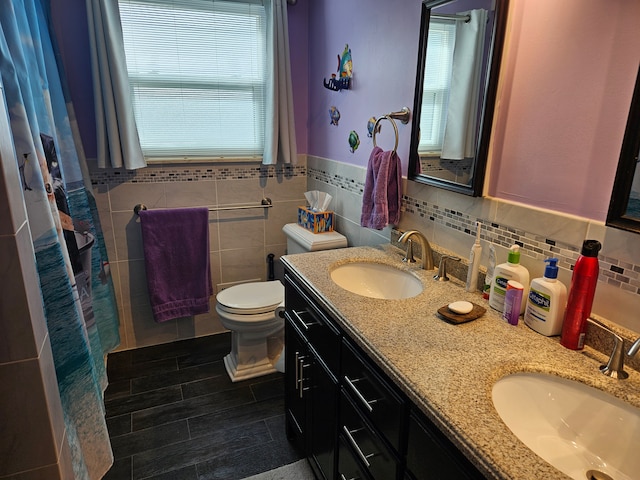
column 460, row 307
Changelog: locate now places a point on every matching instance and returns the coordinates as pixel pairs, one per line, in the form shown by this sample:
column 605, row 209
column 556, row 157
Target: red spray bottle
column 581, row 292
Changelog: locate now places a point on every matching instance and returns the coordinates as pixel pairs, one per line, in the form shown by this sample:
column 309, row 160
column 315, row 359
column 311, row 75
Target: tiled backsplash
column 613, row 271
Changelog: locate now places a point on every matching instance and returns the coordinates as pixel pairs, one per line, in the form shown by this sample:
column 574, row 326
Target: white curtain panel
column 280, row 135
column 460, row 130
column 117, row 136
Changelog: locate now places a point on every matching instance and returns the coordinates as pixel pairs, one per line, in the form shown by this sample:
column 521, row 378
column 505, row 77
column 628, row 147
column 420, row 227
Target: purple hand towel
column 382, row 195
column 176, row 257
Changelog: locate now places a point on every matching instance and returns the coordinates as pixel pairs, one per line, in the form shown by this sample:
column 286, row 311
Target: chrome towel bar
column 265, row 203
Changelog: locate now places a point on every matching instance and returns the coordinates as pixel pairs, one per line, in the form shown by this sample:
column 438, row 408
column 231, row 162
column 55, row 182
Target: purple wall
column 383, row 37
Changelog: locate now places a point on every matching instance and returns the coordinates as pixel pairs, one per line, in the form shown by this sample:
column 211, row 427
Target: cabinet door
column 430, row 455
column 376, row 397
column 324, row 420
column 362, row 438
column 297, row 364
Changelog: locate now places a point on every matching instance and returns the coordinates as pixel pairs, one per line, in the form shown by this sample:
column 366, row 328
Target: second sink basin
column 376, row 280
column 578, row 429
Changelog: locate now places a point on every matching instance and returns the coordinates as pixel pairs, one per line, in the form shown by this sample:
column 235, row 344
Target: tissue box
column 317, row 222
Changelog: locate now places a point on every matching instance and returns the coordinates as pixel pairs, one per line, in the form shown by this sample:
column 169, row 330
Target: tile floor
column 173, row 414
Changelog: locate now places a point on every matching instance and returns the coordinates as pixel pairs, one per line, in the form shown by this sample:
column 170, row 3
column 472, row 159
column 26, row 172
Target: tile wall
column 33, row 443
column 240, row 240
column 448, row 220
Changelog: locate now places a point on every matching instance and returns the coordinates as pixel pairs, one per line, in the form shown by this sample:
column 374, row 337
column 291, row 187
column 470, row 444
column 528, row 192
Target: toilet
column 254, row 312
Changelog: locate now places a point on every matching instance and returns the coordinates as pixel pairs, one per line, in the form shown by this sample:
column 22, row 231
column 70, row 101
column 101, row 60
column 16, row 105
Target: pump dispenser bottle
column 512, row 270
column 546, row 302
column 581, row 293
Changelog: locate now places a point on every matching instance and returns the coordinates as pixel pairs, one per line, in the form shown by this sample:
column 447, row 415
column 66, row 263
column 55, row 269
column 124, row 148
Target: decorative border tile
column 160, row 174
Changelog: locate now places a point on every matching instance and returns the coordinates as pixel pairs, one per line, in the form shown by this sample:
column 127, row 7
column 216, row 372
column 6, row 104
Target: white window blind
column 437, row 81
column 197, row 73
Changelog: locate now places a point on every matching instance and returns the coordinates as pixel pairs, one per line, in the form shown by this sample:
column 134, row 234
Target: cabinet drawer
column 430, row 454
column 319, row 330
column 348, row 467
column 375, row 396
column 366, row 445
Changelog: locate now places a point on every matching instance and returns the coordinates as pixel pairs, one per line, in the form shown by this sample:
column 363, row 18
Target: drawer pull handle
column 306, row 325
column 356, row 447
column 354, row 389
column 299, row 372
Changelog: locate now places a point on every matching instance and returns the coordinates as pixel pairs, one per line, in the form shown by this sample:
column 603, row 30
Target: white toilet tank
column 300, row 240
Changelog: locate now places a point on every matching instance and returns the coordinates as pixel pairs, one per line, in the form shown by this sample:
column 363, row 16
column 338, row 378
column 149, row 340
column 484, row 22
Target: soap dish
column 452, row 317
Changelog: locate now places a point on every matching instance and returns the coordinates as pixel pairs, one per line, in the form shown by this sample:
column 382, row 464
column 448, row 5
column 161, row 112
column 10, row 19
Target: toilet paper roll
column 280, row 310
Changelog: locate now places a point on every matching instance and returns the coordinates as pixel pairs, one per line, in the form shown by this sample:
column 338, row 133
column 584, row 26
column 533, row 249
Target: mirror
column 456, row 91
column 624, row 209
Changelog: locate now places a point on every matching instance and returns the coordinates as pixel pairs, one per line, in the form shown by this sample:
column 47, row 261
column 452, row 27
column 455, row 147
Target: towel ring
column 395, row 129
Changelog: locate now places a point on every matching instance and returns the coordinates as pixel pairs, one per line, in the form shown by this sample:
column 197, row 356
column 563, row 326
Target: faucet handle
column 615, row 366
column 441, row 276
column 408, row 257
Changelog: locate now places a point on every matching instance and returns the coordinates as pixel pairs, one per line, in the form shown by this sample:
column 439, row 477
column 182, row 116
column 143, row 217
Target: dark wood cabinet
column 350, row 420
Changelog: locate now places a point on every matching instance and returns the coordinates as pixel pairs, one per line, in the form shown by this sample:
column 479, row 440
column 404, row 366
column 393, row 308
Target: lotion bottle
column 488, row 279
column 546, row 302
column 512, row 270
column 474, row 262
column 581, row 293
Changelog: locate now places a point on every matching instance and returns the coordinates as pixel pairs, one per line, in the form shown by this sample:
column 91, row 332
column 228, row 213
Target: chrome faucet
column 427, row 253
column 615, row 366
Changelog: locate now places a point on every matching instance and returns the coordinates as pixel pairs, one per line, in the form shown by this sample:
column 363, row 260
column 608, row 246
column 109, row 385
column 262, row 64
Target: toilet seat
column 251, row 298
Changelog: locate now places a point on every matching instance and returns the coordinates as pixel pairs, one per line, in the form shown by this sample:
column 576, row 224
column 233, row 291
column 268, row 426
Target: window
column 197, row 72
column 437, row 81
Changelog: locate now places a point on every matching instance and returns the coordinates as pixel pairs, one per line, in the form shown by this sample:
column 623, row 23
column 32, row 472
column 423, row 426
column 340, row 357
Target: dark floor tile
column 191, row 407
column 117, row 389
column 247, row 461
column 206, row 350
column 132, row 403
column 241, row 415
column 125, row 370
column 271, row 386
column 120, row 470
column 119, row 425
column 217, row 383
column 219, row 444
column 186, row 473
column 175, row 377
column 150, row 438
column 192, row 347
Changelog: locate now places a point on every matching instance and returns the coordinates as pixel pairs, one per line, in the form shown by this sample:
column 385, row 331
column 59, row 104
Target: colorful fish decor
column 334, row 115
column 371, row 125
column 341, row 81
column 354, row 140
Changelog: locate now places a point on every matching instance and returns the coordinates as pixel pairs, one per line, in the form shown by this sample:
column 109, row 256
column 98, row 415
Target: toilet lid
column 254, row 297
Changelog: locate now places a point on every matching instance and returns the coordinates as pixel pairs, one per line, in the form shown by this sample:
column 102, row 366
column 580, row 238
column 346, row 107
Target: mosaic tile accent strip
column 160, row 174
column 348, row 184
column 612, row 271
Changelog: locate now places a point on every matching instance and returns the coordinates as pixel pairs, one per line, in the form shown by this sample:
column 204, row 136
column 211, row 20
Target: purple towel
column 176, row 257
column 382, row 195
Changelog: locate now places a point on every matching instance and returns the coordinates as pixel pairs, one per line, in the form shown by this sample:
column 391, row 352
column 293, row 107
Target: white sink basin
column 376, row 280
column 574, row 427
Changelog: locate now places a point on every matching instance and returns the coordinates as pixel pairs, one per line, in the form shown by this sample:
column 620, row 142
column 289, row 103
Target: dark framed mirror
column 624, row 208
column 460, row 51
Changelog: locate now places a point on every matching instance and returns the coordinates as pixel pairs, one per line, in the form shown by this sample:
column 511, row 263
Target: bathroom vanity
column 385, row 389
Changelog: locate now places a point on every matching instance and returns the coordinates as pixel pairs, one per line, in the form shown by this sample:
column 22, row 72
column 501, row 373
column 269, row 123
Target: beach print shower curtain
column 76, row 287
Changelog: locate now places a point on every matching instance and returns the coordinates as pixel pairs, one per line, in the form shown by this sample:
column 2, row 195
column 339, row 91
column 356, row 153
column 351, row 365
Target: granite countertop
column 449, row 370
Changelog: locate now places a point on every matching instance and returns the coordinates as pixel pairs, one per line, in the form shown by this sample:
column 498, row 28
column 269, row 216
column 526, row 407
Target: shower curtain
column 75, row 284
